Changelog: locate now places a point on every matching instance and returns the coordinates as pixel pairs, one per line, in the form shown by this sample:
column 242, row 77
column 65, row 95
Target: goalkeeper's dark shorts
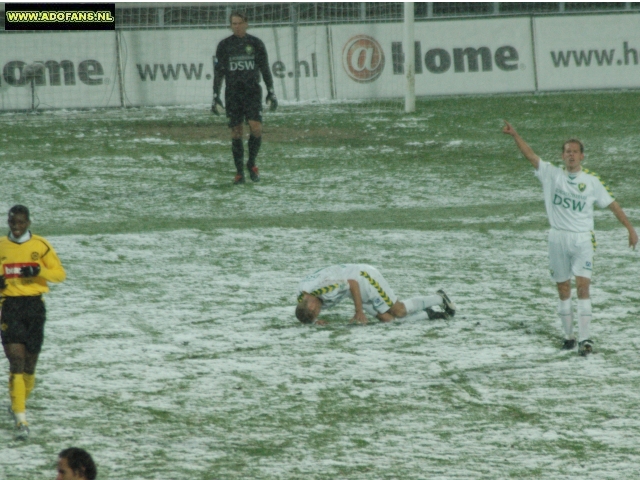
column 243, row 103
column 22, row 321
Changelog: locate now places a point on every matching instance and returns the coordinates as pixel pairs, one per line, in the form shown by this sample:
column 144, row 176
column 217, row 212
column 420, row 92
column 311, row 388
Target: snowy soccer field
column 172, row 351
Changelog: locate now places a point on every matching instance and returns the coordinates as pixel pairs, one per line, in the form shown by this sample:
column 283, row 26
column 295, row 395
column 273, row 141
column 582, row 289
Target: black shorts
column 243, row 103
column 22, row 321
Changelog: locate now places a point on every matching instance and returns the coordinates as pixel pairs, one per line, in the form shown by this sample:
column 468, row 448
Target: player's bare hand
column 633, row 239
column 360, row 318
column 508, row 129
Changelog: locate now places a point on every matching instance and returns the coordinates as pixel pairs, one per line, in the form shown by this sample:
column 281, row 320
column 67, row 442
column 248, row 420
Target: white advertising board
column 175, row 67
column 168, row 67
column 473, row 56
column 452, row 57
column 587, row 52
column 73, row 70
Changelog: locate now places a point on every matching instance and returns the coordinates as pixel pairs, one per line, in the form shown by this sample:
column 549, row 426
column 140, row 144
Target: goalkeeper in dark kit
column 241, row 60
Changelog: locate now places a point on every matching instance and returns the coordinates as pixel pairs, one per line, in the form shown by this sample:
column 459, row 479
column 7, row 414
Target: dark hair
column 238, row 14
column 80, row 462
column 574, row 140
column 19, row 209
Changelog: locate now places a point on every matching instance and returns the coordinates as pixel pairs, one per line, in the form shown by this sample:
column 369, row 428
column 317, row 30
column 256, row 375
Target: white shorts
column 570, row 254
column 377, row 294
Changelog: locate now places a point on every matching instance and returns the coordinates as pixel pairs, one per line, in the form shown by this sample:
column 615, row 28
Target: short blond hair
column 238, row 14
column 303, row 313
column 576, row 141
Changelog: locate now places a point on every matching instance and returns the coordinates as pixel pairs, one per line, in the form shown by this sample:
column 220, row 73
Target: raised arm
column 522, row 145
column 359, row 316
column 622, row 218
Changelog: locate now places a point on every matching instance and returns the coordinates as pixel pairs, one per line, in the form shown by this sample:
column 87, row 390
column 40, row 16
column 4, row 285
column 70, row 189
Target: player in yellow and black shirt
column 240, row 61
column 28, row 262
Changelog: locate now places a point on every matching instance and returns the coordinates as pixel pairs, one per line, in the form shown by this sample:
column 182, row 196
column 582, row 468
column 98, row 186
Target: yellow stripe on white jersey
column 378, row 288
column 594, row 174
column 320, row 291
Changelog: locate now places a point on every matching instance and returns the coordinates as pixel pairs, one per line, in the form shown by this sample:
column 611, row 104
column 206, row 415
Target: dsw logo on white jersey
column 568, row 203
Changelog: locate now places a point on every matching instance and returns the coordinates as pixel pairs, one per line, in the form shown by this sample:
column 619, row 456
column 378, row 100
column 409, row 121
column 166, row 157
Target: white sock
column 584, row 318
column 420, row 315
column 566, row 317
column 418, row 304
column 21, row 417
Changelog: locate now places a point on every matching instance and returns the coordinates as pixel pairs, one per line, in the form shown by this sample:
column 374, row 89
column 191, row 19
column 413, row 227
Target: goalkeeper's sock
column 237, row 149
column 29, row 383
column 17, row 394
column 566, row 317
column 418, row 304
column 584, row 318
column 254, row 147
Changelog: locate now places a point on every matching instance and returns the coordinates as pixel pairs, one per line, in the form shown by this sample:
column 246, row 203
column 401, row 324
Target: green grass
column 172, row 351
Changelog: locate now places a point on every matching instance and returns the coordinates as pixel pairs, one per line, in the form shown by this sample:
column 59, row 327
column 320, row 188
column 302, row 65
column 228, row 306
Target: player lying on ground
column 370, row 292
column 570, row 194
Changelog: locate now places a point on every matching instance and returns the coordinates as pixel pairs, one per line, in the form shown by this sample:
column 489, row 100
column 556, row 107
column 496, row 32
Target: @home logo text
column 363, row 58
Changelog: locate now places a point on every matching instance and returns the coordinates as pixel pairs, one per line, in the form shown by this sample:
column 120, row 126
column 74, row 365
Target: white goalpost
column 409, row 58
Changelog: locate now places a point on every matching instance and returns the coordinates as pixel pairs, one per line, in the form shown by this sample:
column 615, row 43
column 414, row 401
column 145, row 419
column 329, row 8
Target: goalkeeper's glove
column 216, row 102
column 30, row 271
column 3, row 284
column 271, row 100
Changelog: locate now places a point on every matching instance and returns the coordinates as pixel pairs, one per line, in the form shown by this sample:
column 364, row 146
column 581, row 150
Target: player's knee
column 582, row 286
column 583, row 291
column 255, row 129
column 236, row 132
column 564, row 290
column 16, row 365
column 30, row 363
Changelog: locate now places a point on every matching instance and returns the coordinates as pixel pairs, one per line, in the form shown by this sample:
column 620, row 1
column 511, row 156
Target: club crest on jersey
column 582, row 187
column 249, row 49
column 35, row 256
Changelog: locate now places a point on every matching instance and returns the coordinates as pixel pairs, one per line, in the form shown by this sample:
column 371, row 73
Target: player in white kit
column 370, row 293
column 570, row 194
